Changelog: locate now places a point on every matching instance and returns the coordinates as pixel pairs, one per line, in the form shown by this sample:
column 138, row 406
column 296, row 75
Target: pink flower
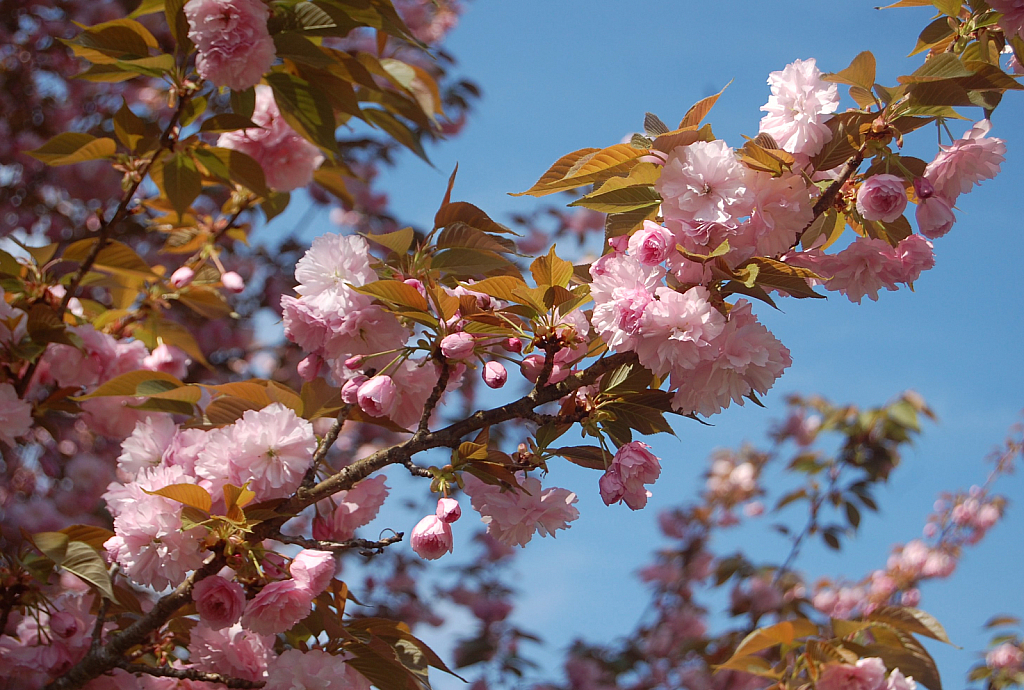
column 632, row 467
column 313, row 569
column 782, row 208
column 350, row 391
column 457, row 345
column 898, row 681
column 278, row 607
column 431, row 538
column 798, row 107
column 333, row 262
column 704, row 182
column 310, row 366
column 1012, row 21
column 232, row 282
column 294, row 669
column 512, row 517
column 1005, row 656
column 514, row 345
column 219, row 602
column 966, row 162
column 934, row 213
column 354, row 508
column 622, row 288
column 271, row 449
column 863, row 268
column 232, row 651
column 448, row 510
column 882, row 197
column 235, row 49
column 676, row 329
column 916, row 256
column 146, row 446
column 182, row 277
column 495, row 375
column 651, row 244
column 867, row 674
column 169, row 360
column 533, row 365
column 15, row 415
column 288, row 161
column 378, row 396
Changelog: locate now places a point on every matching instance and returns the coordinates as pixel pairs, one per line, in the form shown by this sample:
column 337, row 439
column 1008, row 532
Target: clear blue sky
column 558, row 76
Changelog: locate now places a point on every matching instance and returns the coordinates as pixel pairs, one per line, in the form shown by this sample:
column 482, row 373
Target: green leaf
column 147, row 7
column 44, row 326
column 181, row 180
column 782, row 276
column 129, row 128
column 585, row 167
column 620, row 200
column 398, row 241
column 275, row 204
column 468, row 262
column 591, row 457
column 243, row 102
column 937, row 68
column 233, row 166
column 86, row 563
column 128, row 384
column 306, row 108
column 74, row 147
column 949, row 7
column 936, row 32
column 398, row 131
column 174, row 14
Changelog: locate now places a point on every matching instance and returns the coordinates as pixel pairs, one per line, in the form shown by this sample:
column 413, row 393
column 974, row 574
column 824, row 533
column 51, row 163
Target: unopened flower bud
column 350, row 391
column 182, row 277
column 495, row 374
column 354, row 362
column 309, row 367
column 513, row 345
column 457, row 345
column 448, row 510
column 378, row 396
column 431, row 538
column 232, row 282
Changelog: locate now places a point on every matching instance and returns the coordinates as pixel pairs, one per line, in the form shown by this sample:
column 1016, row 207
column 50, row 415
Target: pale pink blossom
column 232, row 282
column 309, row 368
column 882, row 197
column 966, row 162
column 651, row 244
column 1005, row 656
column 313, row 569
column 532, row 366
column 916, row 255
column 898, row 681
column 866, row 674
column 632, row 467
column 146, row 446
column 271, row 449
column 315, row 669
column 353, row 509
column 862, row 269
column 278, row 607
column 378, row 396
column 448, row 510
column 782, row 209
column 233, row 651
column 622, row 288
column 235, row 49
column 704, row 182
column 457, row 345
column 169, row 360
column 182, row 277
column 1012, row 21
column 333, row 262
column 676, row 328
column 431, row 538
column 288, row 160
column 798, row 107
column 47, row 644
column 15, row 415
column 415, row 379
column 494, row 374
column 219, row 602
column 512, row 517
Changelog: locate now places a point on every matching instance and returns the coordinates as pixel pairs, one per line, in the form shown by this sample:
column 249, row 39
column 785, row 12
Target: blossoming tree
column 231, row 499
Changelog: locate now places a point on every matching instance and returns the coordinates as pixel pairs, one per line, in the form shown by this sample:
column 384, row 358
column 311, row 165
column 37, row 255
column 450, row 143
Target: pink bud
column 309, row 367
column 432, row 538
column 531, row 367
column 354, row 362
column 350, row 391
column 448, row 510
column 63, row 624
column 923, row 188
column 513, row 345
column 619, row 243
column 232, row 282
column 457, row 345
column 912, row 597
column 182, row 277
column 495, row 374
column 378, row 396
column 416, row 284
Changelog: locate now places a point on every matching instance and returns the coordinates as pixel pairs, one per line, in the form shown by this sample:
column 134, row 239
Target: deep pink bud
column 416, row 284
column 513, row 345
column 350, row 391
column 448, row 510
column 432, row 538
column 495, row 374
column 457, row 345
column 309, row 367
column 182, row 277
column 378, row 396
column 354, row 362
column 923, row 188
column 232, row 282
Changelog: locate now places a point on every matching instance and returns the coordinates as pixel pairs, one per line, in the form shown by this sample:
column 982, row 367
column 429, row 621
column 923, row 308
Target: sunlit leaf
column 74, row 147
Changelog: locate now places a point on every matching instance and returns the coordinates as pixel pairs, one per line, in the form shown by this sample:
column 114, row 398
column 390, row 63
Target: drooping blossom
column 169, row 360
column 863, row 268
column 966, row 162
column 378, row 396
column 798, row 107
column 898, row 681
column 15, row 415
column 633, row 466
column 676, row 328
column 782, row 210
column 432, row 538
column 353, row 509
column 278, row 607
column 48, row 644
column 494, row 374
column 313, row 569
column 448, row 510
column 219, row 601
column 882, row 197
column 232, row 282
column 288, row 161
column 315, row 669
column 651, row 244
column 934, row 213
column 233, row 651
column 235, row 49
column 1012, row 21
column 512, row 517
column 916, row 255
column 704, row 182
column 866, row 674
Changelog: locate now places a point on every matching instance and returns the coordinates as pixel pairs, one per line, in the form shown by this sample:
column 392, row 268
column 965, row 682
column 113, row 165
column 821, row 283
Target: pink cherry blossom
column 863, row 268
column 704, row 182
column 278, row 607
column 232, row 282
column 1012, row 21
column 632, row 467
column 146, row 445
column 676, row 329
column 1005, row 656
column 622, row 288
column 916, row 255
column 431, row 538
column 271, row 449
column 288, row 161
column 169, row 360
column 651, row 244
column 448, row 510
column 934, row 214
column 798, row 107
column 457, row 345
column 182, row 277
column 512, row 517
column 966, row 162
column 353, row 509
column 235, row 49
column 313, row 569
column 378, row 396
column 309, row 368
column 495, row 375
column 882, row 197
column 782, row 209
column 315, row 669
column 898, row 681
column 233, row 651
column 867, row 674
column 15, row 415
column 333, row 262
column 220, row 602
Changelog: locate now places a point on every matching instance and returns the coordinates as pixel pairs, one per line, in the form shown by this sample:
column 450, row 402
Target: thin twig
column 325, row 446
column 368, row 546
column 97, row 629
column 191, row 674
column 435, row 395
column 828, row 197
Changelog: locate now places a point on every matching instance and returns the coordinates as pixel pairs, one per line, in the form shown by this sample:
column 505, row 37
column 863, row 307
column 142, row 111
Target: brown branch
column 329, row 439
column 435, row 395
column 368, row 547
column 828, row 197
column 191, row 674
column 97, row 630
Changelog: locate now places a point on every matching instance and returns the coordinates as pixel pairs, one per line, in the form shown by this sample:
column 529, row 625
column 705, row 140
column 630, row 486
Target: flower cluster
column 513, row 517
column 235, row 48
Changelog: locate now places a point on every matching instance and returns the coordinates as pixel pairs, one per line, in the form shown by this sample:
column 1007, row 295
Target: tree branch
column 435, row 395
column 828, row 197
column 191, row 674
column 368, row 547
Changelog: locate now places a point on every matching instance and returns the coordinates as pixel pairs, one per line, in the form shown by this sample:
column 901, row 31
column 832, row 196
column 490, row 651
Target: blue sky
column 558, row 76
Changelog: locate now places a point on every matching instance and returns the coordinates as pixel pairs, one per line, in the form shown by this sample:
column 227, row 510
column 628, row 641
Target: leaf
column 319, row 399
column 395, row 292
column 591, row 457
column 468, row 262
column 398, row 130
column 128, row 384
column 937, row 68
column 228, row 409
column 861, row 72
column 181, row 181
column 115, row 257
column 550, row 270
column 464, row 212
column 88, row 565
column 949, row 7
column 129, row 128
column 45, row 326
column 936, row 32
column 700, row 109
column 227, row 122
column 459, row 234
column 653, row 125
column 782, row 276
column 186, row 494
column 780, row 633
column 74, row 147
column 500, row 287
column 912, row 620
column 666, row 143
column 585, row 167
column 306, row 108
column 88, row 534
column 233, row 166
column 398, row 241
column 620, row 200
